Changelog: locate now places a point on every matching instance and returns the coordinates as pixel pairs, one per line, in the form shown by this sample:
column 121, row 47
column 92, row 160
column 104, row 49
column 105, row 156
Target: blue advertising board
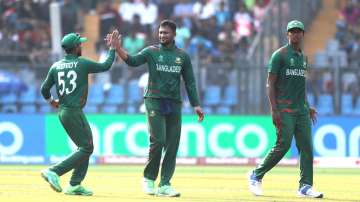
column 23, row 138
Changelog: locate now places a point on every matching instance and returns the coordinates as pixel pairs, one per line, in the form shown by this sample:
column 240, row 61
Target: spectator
column 204, row 9
column 69, row 17
column 134, row 42
column 26, row 10
column 138, row 28
column 259, row 12
column 249, row 4
column 203, row 47
column 184, row 9
column 10, row 16
column 211, row 30
column 222, row 14
column 128, row 9
column 8, row 41
column 243, row 22
column 148, row 13
column 167, row 9
column 227, row 43
column 183, row 34
column 42, row 10
column 351, row 13
column 88, row 6
column 108, row 18
column 41, row 51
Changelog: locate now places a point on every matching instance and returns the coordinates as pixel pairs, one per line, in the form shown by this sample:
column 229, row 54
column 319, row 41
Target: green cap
column 72, row 40
column 295, row 24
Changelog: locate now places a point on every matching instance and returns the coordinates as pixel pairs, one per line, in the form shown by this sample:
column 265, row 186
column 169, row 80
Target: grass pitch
column 196, row 184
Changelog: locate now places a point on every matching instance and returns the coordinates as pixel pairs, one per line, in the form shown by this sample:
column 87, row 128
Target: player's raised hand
column 111, row 39
column 118, row 41
column 200, row 113
column 114, row 39
column 107, row 39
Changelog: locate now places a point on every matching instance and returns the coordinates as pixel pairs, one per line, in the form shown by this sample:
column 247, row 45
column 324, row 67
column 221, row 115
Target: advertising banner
column 218, row 136
column 22, row 139
column 42, row 139
column 337, row 137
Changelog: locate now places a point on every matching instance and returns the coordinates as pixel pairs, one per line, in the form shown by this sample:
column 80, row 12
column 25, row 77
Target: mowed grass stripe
column 196, row 183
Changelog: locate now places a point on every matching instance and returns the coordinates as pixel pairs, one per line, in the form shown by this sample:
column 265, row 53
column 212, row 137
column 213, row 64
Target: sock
column 74, row 183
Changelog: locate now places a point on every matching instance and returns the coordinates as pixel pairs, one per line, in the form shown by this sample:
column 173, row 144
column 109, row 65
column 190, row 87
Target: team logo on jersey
column 178, row 60
column 161, row 58
column 152, row 113
column 292, row 62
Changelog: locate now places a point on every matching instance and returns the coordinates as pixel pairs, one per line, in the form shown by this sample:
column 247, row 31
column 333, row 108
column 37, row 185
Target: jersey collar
column 172, row 47
column 294, row 52
column 70, row 56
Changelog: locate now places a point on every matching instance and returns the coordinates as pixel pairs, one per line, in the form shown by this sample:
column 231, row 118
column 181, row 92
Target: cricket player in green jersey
column 70, row 77
column 290, row 112
column 166, row 65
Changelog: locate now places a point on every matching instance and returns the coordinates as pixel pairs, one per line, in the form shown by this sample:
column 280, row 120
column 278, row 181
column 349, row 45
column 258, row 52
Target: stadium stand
column 217, row 33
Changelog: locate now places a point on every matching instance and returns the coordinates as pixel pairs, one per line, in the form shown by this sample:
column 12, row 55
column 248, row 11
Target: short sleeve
column 275, row 63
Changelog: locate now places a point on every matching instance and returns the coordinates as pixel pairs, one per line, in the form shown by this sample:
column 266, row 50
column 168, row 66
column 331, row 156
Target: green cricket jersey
column 290, row 67
column 70, row 76
column 166, row 66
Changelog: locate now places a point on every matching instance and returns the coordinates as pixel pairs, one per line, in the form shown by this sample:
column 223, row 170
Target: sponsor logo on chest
column 168, row 68
column 296, row 71
column 178, row 60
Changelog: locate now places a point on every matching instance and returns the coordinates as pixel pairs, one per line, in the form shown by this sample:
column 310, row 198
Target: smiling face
column 166, row 35
column 295, row 35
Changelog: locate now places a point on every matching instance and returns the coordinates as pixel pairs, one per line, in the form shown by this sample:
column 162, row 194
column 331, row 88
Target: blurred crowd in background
column 215, row 31
column 215, row 28
column 342, row 51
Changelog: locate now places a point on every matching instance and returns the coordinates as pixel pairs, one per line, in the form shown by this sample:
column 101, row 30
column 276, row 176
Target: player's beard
column 79, row 52
column 166, row 42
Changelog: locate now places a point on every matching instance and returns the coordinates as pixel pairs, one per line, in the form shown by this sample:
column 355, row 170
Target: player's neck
column 296, row 47
column 168, row 45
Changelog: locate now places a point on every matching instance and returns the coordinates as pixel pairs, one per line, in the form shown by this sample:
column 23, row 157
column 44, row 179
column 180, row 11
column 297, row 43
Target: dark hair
column 169, row 23
column 69, row 50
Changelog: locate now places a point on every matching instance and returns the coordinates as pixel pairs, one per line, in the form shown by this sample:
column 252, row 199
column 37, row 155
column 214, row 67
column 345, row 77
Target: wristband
column 49, row 100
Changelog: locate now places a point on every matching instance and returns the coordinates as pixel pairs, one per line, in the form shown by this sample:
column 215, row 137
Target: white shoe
column 148, row 186
column 167, row 190
column 254, row 184
column 307, row 191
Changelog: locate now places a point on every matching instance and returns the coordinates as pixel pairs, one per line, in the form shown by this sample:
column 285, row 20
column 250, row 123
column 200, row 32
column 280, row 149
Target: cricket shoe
column 52, row 178
column 308, row 191
column 148, row 186
column 78, row 190
column 254, row 184
column 167, row 190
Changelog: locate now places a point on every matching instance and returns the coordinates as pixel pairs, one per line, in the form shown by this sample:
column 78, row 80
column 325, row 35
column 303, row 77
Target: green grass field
column 199, row 184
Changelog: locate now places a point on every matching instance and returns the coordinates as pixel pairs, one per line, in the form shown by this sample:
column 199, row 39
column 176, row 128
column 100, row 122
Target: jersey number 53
column 67, row 87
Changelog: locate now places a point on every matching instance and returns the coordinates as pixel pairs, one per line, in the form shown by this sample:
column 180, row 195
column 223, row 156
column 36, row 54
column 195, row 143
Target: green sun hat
column 71, row 40
column 295, row 24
